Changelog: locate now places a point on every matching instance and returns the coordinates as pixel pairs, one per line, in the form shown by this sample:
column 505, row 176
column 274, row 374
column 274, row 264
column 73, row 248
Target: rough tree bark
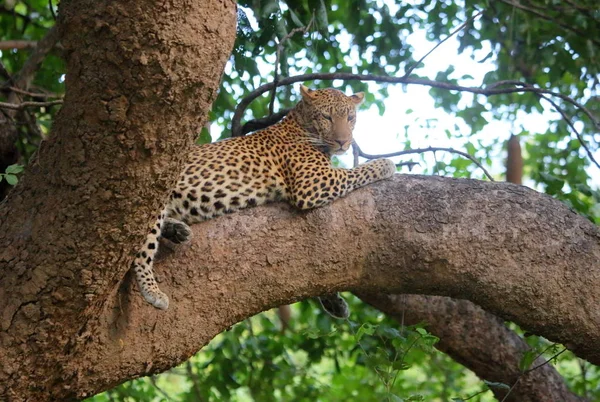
column 480, row 341
column 138, row 90
column 410, row 234
column 493, row 354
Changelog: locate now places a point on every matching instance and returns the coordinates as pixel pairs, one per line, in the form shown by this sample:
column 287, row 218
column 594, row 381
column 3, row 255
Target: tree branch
column 423, row 150
column 555, row 21
column 23, row 78
column 17, row 44
column 24, row 105
column 278, row 55
column 489, row 91
column 479, row 341
column 458, row 29
column 502, row 246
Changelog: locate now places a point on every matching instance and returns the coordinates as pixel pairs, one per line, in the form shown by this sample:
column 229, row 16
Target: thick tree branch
column 513, row 251
column 478, row 340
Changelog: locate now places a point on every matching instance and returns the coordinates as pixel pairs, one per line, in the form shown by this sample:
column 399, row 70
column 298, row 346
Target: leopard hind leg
column 142, row 267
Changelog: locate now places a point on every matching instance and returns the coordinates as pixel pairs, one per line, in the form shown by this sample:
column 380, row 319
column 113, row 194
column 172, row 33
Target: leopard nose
column 341, row 143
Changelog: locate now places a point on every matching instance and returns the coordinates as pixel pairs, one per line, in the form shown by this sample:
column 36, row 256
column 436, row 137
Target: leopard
column 289, row 161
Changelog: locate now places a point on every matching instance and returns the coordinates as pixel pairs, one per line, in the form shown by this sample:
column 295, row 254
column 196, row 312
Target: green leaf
column 295, row 18
column 527, row 359
column 554, row 183
column 366, row 328
column 11, row 179
column 321, row 17
column 470, row 149
column 270, row 7
column 421, row 331
column 400, row 365
column 14, row 169
column 204, row 137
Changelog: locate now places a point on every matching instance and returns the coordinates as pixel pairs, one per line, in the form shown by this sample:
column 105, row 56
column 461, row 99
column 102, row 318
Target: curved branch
column 493, row 90
column 411, row 234
column 423, row 150
column 478, row 340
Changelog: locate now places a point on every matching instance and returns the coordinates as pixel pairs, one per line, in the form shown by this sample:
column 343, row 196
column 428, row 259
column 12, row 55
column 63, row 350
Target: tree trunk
column 138, row 90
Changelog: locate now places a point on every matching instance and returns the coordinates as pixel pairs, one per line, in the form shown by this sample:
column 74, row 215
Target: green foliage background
column 552, row 44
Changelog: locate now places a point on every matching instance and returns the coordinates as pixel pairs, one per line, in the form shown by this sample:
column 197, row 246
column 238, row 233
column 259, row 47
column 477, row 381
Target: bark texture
column 138, row 90
column 411, row 234
column 480, row 341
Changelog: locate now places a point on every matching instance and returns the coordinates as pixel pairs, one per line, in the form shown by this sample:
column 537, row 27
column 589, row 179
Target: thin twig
column 521, row 87
column 153, row 381
column 534, row 368
column 32, row 94
column 26, row 18
column 570, row 123
column 24, row 77
column 409, row 164
column 552, row 20
column 483, row 391
column 423, row 150
column 195, row 385
column 511, row 388
column 558, row 109
column 4, row 72
column 546, row 362
column 460, row 28
column 19, row 106
column 278, row 55
column 51, row 9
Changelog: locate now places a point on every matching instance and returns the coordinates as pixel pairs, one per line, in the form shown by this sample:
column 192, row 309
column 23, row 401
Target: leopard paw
column 389, row 168
column 176, row 231
column 157, row 298
column 335, row 305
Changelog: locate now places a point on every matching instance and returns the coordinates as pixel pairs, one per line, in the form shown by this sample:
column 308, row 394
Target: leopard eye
column 350, row 117
column 328, row 117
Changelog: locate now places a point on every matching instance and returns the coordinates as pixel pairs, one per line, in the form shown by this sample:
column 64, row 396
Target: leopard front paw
column 176, row 231
column 388, row 168
column 157, row 298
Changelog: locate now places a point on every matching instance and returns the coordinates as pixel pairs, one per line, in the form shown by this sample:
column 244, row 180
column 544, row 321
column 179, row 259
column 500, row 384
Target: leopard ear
column 307, row 94
column 358, row 98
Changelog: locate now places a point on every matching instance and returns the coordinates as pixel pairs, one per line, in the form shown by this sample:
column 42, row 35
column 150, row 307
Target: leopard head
column 328, row 116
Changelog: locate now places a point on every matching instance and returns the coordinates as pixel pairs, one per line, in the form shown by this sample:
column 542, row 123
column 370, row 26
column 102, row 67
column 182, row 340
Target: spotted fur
column 287, row 161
